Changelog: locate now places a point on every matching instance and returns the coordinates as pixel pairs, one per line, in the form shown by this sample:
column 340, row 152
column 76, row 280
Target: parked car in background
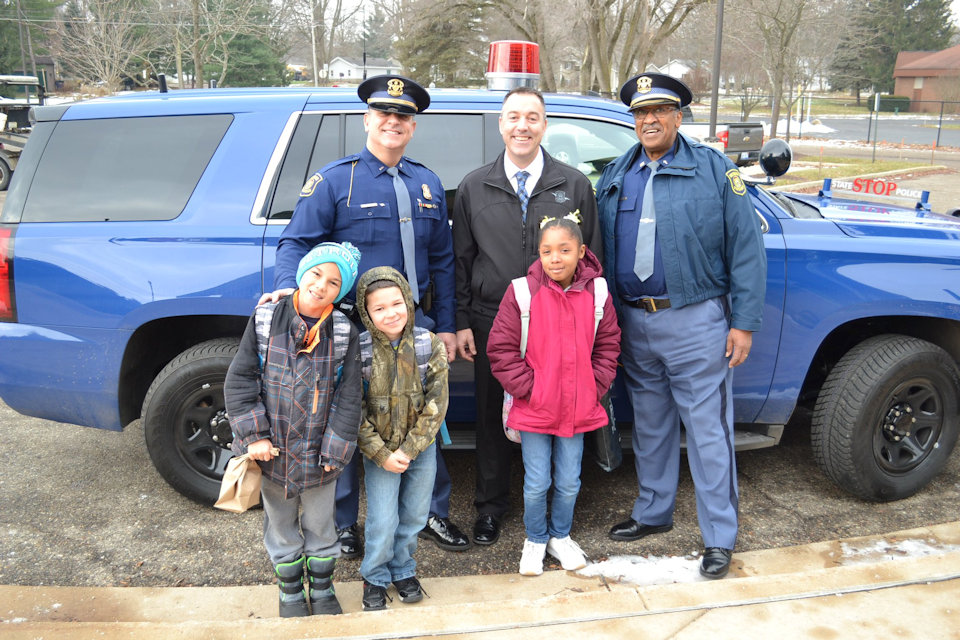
column 140, row 230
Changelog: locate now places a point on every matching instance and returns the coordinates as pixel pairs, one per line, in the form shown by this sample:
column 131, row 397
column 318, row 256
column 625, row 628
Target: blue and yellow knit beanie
column 343, row 254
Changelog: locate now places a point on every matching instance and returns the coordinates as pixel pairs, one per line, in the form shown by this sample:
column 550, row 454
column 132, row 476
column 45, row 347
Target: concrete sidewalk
column 812, row 591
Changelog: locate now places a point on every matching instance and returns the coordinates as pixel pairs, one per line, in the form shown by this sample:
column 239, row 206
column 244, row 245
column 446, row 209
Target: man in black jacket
column 496, row 237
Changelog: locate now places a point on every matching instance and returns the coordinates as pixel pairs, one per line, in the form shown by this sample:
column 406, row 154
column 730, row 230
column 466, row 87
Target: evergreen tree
column 377, row 35
column 254, row 63
column 443, row 43
column 889, row 27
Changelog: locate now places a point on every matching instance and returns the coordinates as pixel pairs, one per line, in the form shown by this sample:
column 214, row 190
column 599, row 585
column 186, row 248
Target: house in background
column 351, row 69
column 929, row 78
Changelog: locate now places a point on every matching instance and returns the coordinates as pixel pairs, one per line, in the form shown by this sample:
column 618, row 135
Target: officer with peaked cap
column 356, row 199
column 684, row 257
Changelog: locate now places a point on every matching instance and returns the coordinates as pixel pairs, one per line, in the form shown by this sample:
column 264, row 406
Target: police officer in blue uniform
column 684, row 256
column 394, row 210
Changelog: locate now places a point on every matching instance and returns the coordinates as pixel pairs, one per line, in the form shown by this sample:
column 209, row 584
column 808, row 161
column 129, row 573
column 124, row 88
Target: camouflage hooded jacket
column 399, row 410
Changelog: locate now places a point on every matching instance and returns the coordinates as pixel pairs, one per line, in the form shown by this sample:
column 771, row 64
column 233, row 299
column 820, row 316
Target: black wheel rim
column 910, row 426
column 202, row 431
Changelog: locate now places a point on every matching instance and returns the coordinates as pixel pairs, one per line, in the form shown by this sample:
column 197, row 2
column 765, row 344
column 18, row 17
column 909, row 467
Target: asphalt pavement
column 84, row 507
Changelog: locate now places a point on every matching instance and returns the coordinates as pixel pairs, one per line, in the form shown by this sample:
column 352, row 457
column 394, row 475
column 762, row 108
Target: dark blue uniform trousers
column 676, row 371
column 348, row 491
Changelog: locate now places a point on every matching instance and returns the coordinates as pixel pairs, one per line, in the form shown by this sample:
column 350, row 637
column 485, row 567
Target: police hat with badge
column 655, row 88
column 394, row 94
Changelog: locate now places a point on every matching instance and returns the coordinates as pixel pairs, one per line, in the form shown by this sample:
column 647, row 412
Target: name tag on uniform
column 367, row 205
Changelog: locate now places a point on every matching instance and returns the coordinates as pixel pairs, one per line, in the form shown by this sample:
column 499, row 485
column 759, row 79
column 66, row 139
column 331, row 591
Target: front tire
column 887, row 417
column 185, row 420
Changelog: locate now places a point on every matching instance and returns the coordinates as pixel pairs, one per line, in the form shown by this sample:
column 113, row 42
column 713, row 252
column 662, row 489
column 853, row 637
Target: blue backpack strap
column 341, row 340
column 423, row 347
column 263, row 318
column 366, row 358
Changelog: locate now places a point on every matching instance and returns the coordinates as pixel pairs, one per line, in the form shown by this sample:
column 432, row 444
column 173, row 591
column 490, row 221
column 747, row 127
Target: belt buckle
column 649, row 304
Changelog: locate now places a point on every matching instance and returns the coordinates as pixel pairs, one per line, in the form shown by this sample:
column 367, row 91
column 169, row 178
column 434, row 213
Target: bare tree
column 622, row 36
column 323, row 22
column 777, row 23
column 100, row 40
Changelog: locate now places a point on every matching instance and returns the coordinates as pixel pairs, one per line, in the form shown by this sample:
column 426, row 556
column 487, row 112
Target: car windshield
column 588, row 145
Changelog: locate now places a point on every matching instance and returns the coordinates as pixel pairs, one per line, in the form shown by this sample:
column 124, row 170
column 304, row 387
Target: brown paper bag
column 240, row 488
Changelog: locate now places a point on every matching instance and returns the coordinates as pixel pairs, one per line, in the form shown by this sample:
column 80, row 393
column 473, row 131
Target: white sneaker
column 531, row 562
column 568, row 552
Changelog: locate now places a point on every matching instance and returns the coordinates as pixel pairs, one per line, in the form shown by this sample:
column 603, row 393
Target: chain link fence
column 931, row 124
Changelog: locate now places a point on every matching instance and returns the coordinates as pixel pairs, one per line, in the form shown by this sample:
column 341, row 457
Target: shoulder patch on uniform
column 736, row 182
column 311, row 185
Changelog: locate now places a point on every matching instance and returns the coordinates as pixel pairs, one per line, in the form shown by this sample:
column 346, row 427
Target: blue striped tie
column 522, row 192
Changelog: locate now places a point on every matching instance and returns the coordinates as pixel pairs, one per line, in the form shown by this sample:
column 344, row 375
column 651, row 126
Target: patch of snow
column 886, row 550
column 646, row 571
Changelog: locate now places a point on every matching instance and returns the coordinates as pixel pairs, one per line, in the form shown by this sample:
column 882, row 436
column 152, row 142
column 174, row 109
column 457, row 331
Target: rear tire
column 887, row 417
column 185, row 420
column 5, row 173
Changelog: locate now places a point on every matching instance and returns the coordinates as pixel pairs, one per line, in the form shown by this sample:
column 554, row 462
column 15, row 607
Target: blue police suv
column 140, row 230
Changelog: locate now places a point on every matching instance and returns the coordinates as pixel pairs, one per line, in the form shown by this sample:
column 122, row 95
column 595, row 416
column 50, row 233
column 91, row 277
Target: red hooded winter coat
column 558, row 386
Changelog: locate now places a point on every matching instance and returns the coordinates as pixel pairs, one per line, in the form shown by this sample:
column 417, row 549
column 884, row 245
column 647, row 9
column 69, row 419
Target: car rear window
column 122, row 168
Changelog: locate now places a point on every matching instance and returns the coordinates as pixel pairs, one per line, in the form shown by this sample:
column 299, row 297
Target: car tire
column 886, row 419
column 5, row 173
column 185, row 420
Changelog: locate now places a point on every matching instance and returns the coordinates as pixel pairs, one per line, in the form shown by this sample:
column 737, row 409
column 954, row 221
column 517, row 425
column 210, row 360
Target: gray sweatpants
column 300, row 525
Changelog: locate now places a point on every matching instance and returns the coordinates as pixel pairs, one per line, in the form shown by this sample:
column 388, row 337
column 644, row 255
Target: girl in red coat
column 570, row 363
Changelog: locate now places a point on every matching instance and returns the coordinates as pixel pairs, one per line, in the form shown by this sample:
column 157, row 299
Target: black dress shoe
column 350, row 545
column 374, row 597
column 631, row 530
column 715, row 562
column 409, row 590
column 486, row 530
column 446, row 534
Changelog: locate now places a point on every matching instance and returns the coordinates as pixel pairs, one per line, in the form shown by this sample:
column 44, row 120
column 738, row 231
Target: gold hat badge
column 395, row 87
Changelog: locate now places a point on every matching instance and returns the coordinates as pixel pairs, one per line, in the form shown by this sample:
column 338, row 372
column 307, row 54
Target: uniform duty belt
column 649, row 304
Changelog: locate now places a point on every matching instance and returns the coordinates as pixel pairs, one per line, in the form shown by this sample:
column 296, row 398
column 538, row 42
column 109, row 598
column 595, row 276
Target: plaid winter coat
column 295, row 399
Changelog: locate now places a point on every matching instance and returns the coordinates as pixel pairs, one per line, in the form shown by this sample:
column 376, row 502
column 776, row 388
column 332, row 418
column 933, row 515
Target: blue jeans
column 397, row 508
column 540, row 453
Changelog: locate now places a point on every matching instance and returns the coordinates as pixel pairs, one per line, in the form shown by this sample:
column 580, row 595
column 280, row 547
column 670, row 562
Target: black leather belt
column 648, row 304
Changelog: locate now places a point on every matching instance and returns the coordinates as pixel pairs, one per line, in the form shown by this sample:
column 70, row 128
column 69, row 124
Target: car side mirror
column 775, row 157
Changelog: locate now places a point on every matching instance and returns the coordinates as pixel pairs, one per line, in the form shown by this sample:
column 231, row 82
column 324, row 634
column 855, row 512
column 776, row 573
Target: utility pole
column 715, row 88
column 364, row 40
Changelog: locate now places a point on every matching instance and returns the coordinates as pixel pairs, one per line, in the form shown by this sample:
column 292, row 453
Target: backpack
column 422, row 347
column 521, row 291
column 263, row 319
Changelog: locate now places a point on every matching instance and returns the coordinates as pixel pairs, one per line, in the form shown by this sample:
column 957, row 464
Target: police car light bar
column 512, row 64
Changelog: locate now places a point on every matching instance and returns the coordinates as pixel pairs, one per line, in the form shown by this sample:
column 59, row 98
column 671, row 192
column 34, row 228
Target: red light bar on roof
column 513, row 63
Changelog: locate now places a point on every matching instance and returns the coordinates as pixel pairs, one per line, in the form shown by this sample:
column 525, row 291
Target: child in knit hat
column 294, row 385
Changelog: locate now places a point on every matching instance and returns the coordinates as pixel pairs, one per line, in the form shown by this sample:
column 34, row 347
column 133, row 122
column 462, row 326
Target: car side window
column 314, row 144
column 588, row 145
column 449, row 144
column 122, row 168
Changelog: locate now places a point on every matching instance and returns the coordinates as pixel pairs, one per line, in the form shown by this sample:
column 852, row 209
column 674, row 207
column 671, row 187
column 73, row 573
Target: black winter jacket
column 491, row 243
